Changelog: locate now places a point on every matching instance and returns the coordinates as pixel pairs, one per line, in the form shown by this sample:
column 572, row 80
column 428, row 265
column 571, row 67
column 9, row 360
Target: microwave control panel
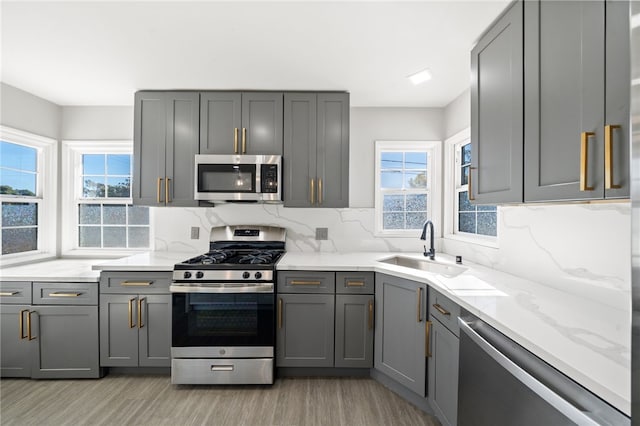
column 269, row 178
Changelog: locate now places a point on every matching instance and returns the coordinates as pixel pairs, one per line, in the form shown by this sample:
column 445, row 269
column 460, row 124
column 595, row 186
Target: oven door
column 222, row 324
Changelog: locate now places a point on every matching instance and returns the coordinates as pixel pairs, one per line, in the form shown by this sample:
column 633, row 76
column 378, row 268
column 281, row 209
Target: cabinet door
column 305, row 333
column 220, row 122
column 354, row 331
column 617, row 99
column 118, row 330
column 333, row 150
column 262, row 123
column 497, row 112
column 182, row 147
column 66, row 342
column 443, row 373
column 564, row 92
column 154, row 326
column 300, row 138
column 149, row 140
column 401, row 317
column 14, row 350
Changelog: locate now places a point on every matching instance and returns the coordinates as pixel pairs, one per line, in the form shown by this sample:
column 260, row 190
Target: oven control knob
column 246, row 275
column 199, row 274
column 258, row 275
column 187, row 275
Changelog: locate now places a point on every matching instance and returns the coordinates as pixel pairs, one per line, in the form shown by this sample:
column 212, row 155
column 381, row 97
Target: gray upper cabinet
column 241, row 123
column 496, row 173
column 577, row 100
column 400, row 332
column 316, row 150
column 165, row 145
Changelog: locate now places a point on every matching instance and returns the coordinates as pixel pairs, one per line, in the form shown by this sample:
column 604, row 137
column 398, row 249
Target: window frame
column 72, row 152
column 452, row 187
column 46, row 194
column 434, row 193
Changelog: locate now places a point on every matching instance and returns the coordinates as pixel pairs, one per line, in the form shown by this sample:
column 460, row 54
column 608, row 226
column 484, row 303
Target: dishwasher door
column 502, row 384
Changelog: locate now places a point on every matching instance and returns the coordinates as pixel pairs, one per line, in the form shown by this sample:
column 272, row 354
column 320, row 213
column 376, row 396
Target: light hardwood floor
column 152, row 400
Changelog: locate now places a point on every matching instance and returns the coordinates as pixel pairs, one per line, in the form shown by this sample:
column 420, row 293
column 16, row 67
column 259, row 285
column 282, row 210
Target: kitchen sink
column 427, row 265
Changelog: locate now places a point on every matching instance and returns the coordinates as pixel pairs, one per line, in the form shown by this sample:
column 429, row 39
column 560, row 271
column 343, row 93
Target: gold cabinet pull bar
column 370, row 314
column 131, row 324
column 355, row 283
column 440, row 309
column 244, row 140
column 312, row 191
column 419, row 307
column 298, row 282
column 608, row 156
column 21, row 324
column 136, row 283
column 427, row 338
column 584, row 160
column 166, row 190
column 63, row 294
column 29, row 335
column 319, row 191
column 469, row 187
column 235, row 140
column 159, row 191
column 279, row 313
column 8, row 293
column 140, row 324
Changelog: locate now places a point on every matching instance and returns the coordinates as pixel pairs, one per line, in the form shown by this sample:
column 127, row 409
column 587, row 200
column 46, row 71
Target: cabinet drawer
column 445, row 311
column 354, row 282
column 15, row 292
column 54, row 293
column 306, row 282
column 135, row 282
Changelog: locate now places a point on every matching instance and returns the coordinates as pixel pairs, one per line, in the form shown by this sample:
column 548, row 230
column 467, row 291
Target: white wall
column 97, row 123
column 23, row 111
column 457, row 115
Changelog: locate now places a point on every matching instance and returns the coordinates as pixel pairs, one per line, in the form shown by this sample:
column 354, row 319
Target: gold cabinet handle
column 440, row 309
column 355, row 283
column 136, row 283
column 159, row 190
column 370, row 314
column 244, row 140
column 235, row 140
column 21, row 324
column 140, row 324
column 63, row 294
column 469, row 187
column 279, row 313
column 29, row 335
column 312, row 191
column 298, row 282
column 608, row 156
column 427, row 338
column 131, row 324
column 584, row 160
column 166, row 190
column 8, row 293
column 419, row 307
column 319, row 191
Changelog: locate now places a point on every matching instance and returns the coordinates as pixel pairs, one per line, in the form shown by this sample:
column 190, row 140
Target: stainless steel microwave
column 238, row 178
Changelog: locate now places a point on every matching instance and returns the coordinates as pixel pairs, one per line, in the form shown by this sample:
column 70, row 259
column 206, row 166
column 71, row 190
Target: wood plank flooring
column 152, row 400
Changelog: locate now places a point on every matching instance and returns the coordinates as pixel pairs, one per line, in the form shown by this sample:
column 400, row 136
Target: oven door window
column 227, row 178
column 222, row 319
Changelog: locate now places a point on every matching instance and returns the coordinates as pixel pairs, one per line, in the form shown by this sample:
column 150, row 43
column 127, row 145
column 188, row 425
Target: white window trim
column 450, row 192
column 46, row 194
column 434, row 201
column 71, row 167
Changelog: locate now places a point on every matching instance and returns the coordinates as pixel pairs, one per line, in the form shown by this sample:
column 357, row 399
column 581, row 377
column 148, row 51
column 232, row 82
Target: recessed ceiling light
column 420, row 76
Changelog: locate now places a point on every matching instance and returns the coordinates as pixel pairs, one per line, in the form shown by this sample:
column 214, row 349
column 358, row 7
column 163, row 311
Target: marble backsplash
column 580, row 248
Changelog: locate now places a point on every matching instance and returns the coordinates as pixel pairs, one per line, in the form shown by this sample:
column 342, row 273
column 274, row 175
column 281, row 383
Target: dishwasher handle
column 544, row 392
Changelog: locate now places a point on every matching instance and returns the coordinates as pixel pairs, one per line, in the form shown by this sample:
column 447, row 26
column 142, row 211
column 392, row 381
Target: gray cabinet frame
column 15, row 350
column 443, row 373
column 354, row 330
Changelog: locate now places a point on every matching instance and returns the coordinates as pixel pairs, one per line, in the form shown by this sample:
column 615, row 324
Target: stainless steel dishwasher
column 503, row 384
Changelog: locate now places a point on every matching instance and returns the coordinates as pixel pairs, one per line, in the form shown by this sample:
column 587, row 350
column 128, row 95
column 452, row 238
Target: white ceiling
column 100, row 53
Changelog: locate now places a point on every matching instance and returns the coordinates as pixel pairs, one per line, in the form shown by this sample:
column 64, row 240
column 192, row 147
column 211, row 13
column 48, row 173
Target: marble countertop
column 60, row 270
column 148, row 261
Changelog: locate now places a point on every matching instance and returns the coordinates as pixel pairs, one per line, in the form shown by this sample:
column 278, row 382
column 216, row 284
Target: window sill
column 479, row 240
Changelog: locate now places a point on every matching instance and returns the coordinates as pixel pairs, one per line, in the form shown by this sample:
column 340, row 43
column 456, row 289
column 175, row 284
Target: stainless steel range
column 223, row 306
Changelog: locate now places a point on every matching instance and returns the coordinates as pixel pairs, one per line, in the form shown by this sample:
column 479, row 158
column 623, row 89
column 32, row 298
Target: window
column 28, row 216
column 406, row 174
column 472, row 222
column 103, row 216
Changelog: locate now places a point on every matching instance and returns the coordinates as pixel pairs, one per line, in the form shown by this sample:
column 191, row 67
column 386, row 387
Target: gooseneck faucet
column 431, row 253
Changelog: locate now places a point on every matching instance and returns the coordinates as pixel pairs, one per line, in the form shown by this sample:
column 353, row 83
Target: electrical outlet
column 195, row 232
column 322, row 233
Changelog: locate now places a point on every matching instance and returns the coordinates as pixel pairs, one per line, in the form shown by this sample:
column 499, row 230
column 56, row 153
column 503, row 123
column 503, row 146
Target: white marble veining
column 59, row 270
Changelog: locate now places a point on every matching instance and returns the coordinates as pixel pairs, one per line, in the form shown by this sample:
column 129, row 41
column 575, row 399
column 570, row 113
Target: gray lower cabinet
column 15, row 348
column 165, row 143
column 316, row 149
column 305, row 332
column 400, row 332
column 354, row 330
column 241, row 123
column 497, row 119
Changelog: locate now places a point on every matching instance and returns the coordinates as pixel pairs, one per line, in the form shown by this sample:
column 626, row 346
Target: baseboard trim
column 321, row 372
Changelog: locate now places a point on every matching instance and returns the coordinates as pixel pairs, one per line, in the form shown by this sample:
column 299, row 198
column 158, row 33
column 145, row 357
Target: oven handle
column 222, row 288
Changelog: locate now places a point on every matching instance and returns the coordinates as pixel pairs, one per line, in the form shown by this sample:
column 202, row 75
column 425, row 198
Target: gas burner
column 213, row 256
column 260, row 257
